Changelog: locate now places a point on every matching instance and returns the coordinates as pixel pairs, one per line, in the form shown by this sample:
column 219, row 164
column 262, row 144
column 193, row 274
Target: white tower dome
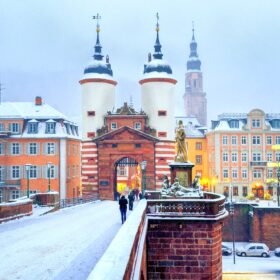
column 158, row 93
column 98, row 92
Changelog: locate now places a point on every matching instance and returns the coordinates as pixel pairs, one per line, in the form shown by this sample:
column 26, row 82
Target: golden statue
column 181, row 148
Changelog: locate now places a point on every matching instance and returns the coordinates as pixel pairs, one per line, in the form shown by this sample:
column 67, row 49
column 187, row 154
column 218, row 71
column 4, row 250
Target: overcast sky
column 45, row 46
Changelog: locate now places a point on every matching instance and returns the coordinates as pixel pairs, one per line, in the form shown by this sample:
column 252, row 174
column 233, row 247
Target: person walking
column 123, row 207
column 131, row 200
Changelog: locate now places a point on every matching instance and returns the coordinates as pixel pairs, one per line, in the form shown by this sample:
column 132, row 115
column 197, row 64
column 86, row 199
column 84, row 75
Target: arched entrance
column 127, row 176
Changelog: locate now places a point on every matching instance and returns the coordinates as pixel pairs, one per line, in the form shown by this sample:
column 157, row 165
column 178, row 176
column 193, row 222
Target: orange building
column 39, row 151
column 239, row 150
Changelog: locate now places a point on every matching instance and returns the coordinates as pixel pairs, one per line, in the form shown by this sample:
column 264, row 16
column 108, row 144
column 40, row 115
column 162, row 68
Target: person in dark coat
column 123, row 207
column 131, row 200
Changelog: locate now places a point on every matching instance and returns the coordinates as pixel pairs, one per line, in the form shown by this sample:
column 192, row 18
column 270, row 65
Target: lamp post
column 231, row 212
column 143, row 167
column 49, row 176
column 27, row 167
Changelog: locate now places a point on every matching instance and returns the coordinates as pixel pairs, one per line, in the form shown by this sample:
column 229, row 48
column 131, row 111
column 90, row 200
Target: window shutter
column 38, row 169
column 55, row 172
column 38, row 149
column 45, row 172
column 55, row 148
column 20, row 148
column 27, row 148
column 9, row 172
column 20, row 172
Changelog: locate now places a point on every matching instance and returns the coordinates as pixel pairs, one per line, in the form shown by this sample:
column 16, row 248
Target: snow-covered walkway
column 61, row 245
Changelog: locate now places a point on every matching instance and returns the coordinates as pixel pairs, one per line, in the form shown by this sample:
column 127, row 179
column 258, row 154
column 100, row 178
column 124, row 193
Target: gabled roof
column 113, row 133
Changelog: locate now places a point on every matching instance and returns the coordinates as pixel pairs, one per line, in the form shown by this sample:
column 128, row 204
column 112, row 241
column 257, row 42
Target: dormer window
column 50, row 127
column 67, row 128
column 32, row 127
column 137, row 125
column 234, row 124
column 14, row 127
column 256, row 123
column 113, row 125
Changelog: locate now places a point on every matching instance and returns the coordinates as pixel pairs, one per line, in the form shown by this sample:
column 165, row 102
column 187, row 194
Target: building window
column 225, row 140
column 198, row 159
column 114, row 145
column 257, row 173
column 113, row 125
column 137, row 145
column 162, row 134
column 32, row 150
column 122, row 171
column 2, row 149
column 244, row 157
column 162, row 113
column 14, row 194
column 269, row 173
column 256, row 123
column 33, row 127
column 233, row 140
column 234, row 157
column 91, row 113
column 244, row 191
column 226, row 191
column 2, row 127
column 137, row 126
column 15, row 172
column 1, row 196
column 234, row 173
column 244, row 173
column 33, row 173
column 269, row 157
column 234, row 124
column 268, row 140
column 14, row 127
column 91, row 134
column 15, row 149
column 225, row 157
column 243, row 140
column 277, row 156
column 50, row 127
column 257, row 157
column 50, row 149
column 256, row 140
column 198, row 146
column 235, row 191
column 225, row 173
column 2, row 177
column 277, row 140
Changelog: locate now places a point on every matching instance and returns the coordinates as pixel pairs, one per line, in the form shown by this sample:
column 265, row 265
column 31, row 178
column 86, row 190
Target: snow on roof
column 223, row 125
column 28, row 110
column 97, row 76
column 156, row 74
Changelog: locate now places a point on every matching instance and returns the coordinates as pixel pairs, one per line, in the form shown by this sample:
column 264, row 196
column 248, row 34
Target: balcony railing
column 258, row 163
column 211, row 206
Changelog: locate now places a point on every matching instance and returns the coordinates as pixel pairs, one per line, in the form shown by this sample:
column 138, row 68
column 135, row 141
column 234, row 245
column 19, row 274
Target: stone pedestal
column 183, row 171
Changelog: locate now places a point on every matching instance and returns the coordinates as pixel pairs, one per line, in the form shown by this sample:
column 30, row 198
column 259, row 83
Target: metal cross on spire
column 97, row 17
column 157, row 29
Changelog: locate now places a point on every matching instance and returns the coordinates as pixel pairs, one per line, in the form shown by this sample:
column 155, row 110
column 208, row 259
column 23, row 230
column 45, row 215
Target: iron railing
column 68, row 202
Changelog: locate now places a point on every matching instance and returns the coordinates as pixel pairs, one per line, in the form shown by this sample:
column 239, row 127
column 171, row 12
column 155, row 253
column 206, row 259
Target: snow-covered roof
column 28, row 110
column 157, row 68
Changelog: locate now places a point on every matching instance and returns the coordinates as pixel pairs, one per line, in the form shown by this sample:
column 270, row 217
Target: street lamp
column 231, row 212
column 49, row 176
column 143, row 167
column 27, row 167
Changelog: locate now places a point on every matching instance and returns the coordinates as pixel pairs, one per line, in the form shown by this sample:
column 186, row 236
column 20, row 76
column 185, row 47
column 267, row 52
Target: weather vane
column 97, row 17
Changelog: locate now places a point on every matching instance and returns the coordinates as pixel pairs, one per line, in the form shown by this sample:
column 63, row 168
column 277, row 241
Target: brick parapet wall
column 180, row 249
column 15, row 210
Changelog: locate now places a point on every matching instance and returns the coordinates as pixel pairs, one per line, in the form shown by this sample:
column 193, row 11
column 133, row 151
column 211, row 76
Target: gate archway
column 127, row 176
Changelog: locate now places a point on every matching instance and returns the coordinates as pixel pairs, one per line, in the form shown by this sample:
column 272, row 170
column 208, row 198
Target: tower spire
column 158, row 54
column 97, row 48
column 193, row 39
column 193, row 62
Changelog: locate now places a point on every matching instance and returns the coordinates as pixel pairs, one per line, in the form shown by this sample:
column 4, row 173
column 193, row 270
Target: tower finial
column 193, row 31
column 97, row 54
column 157, row 54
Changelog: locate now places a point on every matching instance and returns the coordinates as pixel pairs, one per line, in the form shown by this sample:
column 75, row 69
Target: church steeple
column 97, row 48
column 158, row 54
column 193, row 62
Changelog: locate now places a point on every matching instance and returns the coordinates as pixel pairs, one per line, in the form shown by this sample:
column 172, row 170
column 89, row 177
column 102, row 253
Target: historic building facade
column 113, row 138
column 39, row 146
column 240, row 152
column 195, row 101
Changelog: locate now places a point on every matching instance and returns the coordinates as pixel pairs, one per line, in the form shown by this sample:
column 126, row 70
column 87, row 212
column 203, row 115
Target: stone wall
column 184, row 249
column 15, row 210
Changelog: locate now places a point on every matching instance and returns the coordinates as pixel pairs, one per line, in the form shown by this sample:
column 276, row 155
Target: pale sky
column 45, row 46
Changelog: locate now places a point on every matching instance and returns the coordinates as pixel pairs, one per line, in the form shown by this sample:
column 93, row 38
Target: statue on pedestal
column 181, row 148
